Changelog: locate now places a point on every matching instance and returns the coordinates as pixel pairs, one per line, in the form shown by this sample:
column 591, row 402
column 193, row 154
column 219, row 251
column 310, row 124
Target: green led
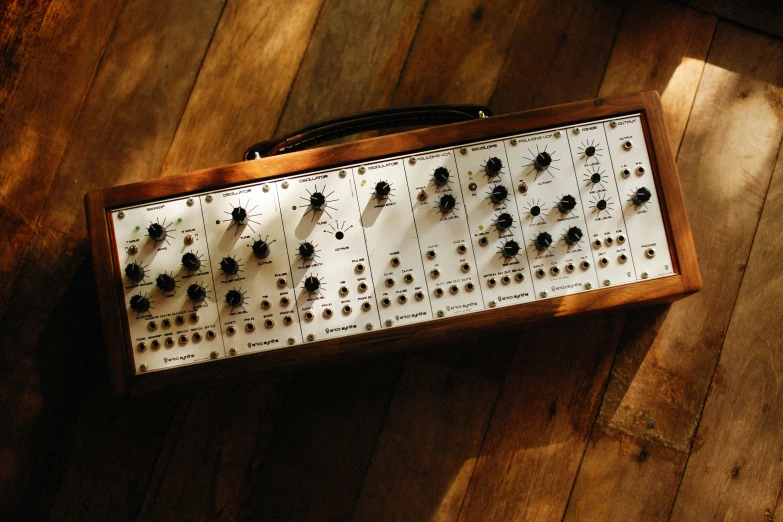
column 179, row 221
column 138, row 228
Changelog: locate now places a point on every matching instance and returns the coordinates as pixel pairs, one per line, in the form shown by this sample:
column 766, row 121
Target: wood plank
column 641, row 59
column 135, row 102
column 54, row 57
column 735, row 471
column 59, row 62
column 558, row 53
column 216, row 442
column 663, row 400
column 243, row 83
column 624, row 478
column 764, row 15
column 542, row 422
column 319, row 451
column 352, row 60
column 610, row 481
column 427, row 450
column 453, row 59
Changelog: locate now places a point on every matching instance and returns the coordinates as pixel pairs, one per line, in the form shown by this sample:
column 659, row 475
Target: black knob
column 641, row 196
column 139, row 303
column 382, row 189
column 197, row 293
column 134, row 272
column 317, row 201
column 590, row 151
column 595, row 177
column 312, row 284
column 510, row 249
column 234, row 298
column 191, row 261
column 447, row 203
column 441, row 176
column 165, row 282
column 567, row 204
column 601, row 204
column 307, row 250
column 494, row 165
column 573, row 236
column 542, row 162
column 498, row 195
column 543, row 240
column 535, row 210
column 504, row 221
column 239, row 215
column 229, row 265
column 156, row 232
column 260, row 249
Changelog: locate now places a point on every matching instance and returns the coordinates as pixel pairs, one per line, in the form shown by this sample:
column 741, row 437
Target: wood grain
column 542, row 422
column 764, row 15
column 735, row 471
column 243, row 82
column 451, row 60
column 352, row 60
column 624, row 478
column 604, row 489
column 558, row 53
column 641, row 59
column 663, row 401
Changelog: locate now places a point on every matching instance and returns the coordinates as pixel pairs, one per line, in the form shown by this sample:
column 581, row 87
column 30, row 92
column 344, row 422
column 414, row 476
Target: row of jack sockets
column 179, row 320
column 250, row 327
column 169, row 342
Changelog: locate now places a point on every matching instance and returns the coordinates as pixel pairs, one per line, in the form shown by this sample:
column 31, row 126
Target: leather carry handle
column 394, row 117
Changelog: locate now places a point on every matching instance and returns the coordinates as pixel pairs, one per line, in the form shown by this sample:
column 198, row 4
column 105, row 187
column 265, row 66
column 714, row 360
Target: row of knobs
column 141, row 304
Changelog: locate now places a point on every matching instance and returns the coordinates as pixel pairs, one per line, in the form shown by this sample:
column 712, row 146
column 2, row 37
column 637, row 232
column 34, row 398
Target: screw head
column 265, row 188
column 143, row 368
column 441, row 313
column 493, row 303
column 463, row 150
column 121, row 214
column 576, row 130
column 232, row 351
column 291, row 340
column 190, row 202
column 513, row 141
column 412, row 161
column 311, row 337
column 588, row 285
column 369, row 326
column 544, row 293
column 208, row 199
column 389, row 322
column 613, row 124
column 607, row 282
column 213, row 355
column 285, row 185
column 343, row 173
column 645, row 275
column 557, row 134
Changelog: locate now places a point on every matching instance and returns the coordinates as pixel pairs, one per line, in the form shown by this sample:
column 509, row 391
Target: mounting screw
column 265, row 188
column 441, row 313
column 190, row 202
column 285, row 185
column 463, row 150
column 121, row 214
column 588, row 285
column 208, row 198
column 412, row 161
column 291, row 340
column 576, row 130
column 607, row 282
column 492, row 303
column 363, row 169
column 311, row 337
column 544, row 293
column 557, row 134
column 389, row 322
column 513, row 141
column 613, row 124
column 143, row 368
column 368, row 326
column 645, row 275
column 232, row 351
column 213, row 355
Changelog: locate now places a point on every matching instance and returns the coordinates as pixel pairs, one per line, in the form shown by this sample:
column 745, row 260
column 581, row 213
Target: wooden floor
column 656, row 414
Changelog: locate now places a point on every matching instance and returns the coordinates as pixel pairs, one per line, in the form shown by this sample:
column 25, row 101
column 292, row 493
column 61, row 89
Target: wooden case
column 687, row 278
